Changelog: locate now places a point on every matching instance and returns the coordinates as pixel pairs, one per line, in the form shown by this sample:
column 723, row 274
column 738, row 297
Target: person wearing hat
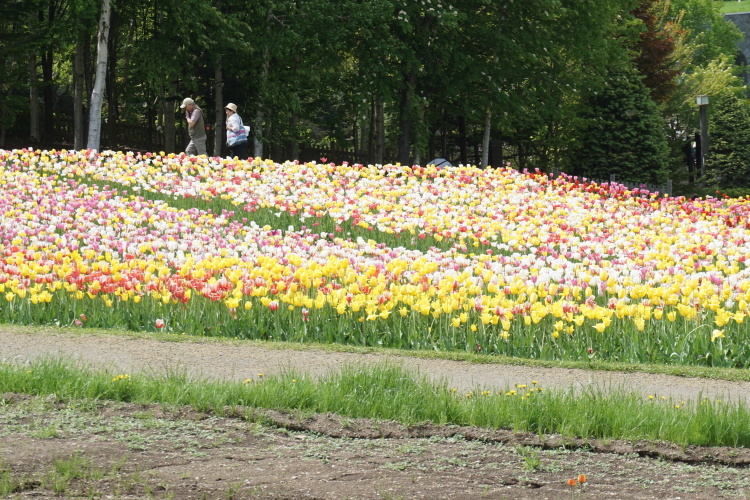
column 196, row 127
column 236, row 133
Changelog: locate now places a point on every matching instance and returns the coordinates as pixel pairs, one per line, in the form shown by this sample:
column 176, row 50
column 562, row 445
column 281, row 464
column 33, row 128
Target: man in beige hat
column 196, row 127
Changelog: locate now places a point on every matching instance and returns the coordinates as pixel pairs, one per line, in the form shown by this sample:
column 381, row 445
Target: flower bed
column 492, row 261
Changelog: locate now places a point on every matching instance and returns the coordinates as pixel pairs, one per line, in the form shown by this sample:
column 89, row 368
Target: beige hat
column 187, row 102
column 231, row 106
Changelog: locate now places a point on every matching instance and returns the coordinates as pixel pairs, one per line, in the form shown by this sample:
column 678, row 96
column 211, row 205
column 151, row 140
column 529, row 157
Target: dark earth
column 98, row 449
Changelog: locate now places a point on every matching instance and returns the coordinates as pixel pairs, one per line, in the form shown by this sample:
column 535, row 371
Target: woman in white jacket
column 236, row 133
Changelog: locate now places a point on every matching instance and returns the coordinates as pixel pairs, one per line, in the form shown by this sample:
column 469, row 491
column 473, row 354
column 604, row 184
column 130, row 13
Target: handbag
column 239, row 136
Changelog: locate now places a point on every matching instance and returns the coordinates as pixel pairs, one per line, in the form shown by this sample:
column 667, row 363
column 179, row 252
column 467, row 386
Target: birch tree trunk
column 486, row 139
column 95, row 111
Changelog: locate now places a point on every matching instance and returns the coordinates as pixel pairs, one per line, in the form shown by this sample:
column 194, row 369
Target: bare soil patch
column 152, row 451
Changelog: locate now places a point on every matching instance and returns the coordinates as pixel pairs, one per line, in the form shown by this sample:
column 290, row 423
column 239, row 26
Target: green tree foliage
column 422, row 76
column 709, row 33
column 705, row 46
column 16, row 41
column 654, row 50
column 728, row 159
column 530, row 62
column 622, row 132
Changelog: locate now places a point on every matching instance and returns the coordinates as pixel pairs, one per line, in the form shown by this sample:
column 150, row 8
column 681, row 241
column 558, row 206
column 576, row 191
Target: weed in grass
column 144, row 415
column 385, row 495
column 319, row 455
column 233, row 490
column 398, row 466
column 346, row 422
column 46, row 432
column 531, row 460
column 457, row 462
column 132, row 480
column 10, row 484
column 410, row 448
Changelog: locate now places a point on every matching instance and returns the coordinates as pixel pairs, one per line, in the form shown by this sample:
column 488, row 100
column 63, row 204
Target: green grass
column 390, row 392
column 732, row 6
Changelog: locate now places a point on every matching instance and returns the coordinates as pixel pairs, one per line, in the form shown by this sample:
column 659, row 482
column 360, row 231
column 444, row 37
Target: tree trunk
column 78, row 83
column 262, row 82
column 462, row 140
column 95, row 109
column 292, row 152
column 363, row 153
column 169, row 124
column 34, row 132
column 379, row 126
column 406, row 119
column 88, row 70
column 3, row 111
column 371, row 134
column 258, row 133
column 419, row 140
column 431, row 144
column 113, row 110
column 220, row 132
column 486, row 139
column 48, row 127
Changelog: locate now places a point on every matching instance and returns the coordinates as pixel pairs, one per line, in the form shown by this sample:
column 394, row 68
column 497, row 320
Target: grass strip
column 733, row 6
column 390, row 392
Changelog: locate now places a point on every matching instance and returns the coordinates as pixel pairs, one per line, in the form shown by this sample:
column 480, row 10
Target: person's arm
column 192, row 118
column 233, row 123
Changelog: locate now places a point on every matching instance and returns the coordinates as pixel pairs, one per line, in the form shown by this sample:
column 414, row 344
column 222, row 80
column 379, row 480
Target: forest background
column 597, row 88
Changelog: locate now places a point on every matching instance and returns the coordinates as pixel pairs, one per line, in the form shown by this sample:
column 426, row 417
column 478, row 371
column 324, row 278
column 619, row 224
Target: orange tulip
column 571, row 482
column 581, row 478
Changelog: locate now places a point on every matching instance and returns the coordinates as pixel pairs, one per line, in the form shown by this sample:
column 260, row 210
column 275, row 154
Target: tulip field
column 492, row 261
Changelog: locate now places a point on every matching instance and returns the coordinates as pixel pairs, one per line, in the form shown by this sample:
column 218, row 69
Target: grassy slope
column 733, row 6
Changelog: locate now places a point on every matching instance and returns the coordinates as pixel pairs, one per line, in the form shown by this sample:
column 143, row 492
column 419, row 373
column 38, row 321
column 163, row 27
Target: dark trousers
column 239, row 150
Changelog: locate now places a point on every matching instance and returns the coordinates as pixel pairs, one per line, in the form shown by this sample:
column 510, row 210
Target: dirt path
column 133, row 451
column 233, row 360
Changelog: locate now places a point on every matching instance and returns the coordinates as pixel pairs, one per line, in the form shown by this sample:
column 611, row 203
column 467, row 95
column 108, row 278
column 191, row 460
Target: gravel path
column 232, row 360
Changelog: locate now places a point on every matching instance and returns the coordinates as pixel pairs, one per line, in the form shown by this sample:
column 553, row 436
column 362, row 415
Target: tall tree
column 623, row 134
column 653, row 49
column 95, row 114
column 84, row 12
column 728, row 158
